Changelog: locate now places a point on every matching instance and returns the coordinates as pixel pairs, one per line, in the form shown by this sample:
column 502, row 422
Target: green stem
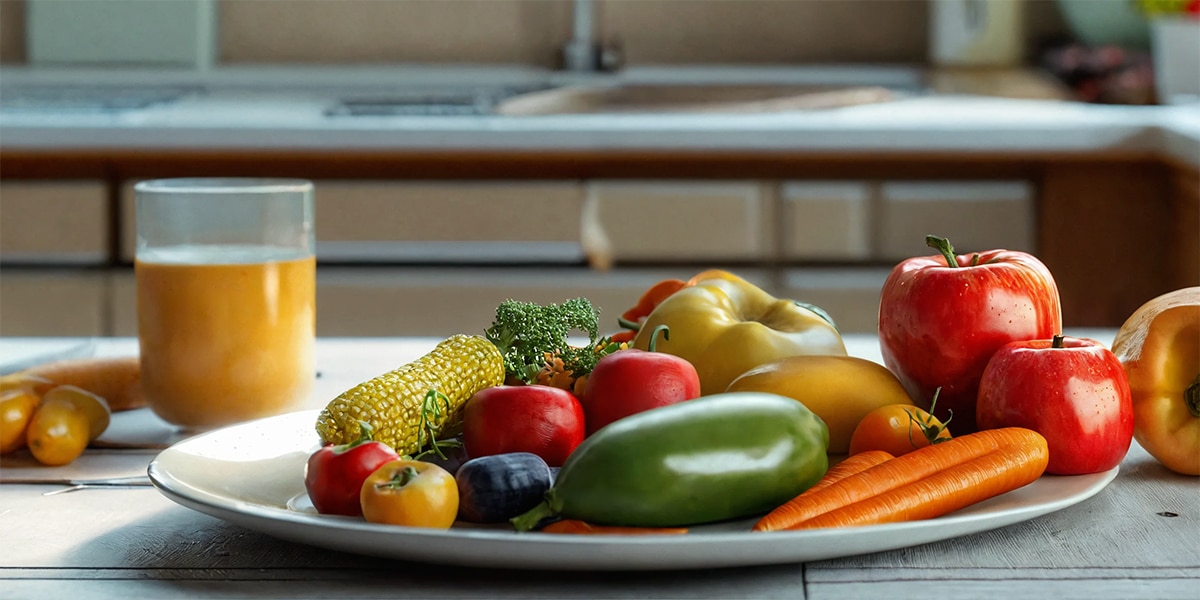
column 1057, row 341
column 1191, row 397
column 399, row 480
column 942, row 245
column 531, row 518
column 364, row 436
column 666, row 335
column 627, row 324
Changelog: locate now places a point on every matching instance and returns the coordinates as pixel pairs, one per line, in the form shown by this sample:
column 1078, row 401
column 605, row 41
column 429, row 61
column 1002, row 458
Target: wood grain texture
column 1105, row 232
column 124, row 543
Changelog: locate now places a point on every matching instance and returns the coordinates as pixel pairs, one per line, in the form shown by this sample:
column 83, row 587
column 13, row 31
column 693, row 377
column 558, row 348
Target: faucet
column 582, row 53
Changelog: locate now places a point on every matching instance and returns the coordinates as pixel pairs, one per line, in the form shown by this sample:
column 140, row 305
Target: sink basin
column 687, row 98
column 82, row 99
column 430, row 102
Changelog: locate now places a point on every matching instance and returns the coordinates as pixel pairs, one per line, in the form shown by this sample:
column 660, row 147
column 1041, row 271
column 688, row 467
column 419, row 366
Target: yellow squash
column 839, row 389
column 725, row 326
column 1159, row 345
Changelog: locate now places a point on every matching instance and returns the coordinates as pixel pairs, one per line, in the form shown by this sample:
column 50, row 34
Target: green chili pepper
column 715, row 458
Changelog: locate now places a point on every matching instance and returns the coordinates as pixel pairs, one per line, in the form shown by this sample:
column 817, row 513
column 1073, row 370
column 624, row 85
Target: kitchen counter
column 1136, row 538
column 287, row 109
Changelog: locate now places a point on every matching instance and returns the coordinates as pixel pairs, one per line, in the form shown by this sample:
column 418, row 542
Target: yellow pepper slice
column 1159, row 345
column 725, row 326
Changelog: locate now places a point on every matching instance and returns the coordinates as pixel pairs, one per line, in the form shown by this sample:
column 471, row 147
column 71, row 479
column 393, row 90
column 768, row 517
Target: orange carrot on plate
column 926, row 483
column 581, row 527
column 781, row 517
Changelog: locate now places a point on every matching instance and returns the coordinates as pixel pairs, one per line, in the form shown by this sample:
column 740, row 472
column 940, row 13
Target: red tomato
column 896, row 429
column 939, row 324
column 1073, row 391
column 539, row 419
column 334, row 475
column 630, row 381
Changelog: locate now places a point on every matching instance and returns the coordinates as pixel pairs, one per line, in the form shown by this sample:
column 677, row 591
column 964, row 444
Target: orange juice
column 226, row 332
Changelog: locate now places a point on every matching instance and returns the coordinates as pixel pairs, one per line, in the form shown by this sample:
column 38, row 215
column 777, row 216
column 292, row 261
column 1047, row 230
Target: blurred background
column 467, row 151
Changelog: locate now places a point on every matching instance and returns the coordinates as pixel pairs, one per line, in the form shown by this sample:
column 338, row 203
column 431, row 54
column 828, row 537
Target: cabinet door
column 445, row 221
column 434, row 221
column 684, row 220
column 59, row 222
column 388, row 301
column 849, row 294
column 826, row 220
column 973, row 215
column 58, row 302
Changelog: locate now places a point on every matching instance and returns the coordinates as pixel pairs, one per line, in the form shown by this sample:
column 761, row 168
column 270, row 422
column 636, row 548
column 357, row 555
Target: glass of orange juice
column 226, row 298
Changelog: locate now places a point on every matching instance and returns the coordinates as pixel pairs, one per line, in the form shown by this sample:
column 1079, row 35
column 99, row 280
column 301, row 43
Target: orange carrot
column 781, row 517
column 116, row 379
column 581, row 527
column 929, row 482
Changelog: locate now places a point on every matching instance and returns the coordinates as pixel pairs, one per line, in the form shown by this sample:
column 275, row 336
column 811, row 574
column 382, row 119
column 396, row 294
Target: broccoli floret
column 525, row 331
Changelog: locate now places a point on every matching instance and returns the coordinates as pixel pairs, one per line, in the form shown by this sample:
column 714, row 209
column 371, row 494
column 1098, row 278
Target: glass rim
column 223, row 185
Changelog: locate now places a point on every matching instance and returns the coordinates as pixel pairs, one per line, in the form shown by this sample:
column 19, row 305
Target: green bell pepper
column 715, row 458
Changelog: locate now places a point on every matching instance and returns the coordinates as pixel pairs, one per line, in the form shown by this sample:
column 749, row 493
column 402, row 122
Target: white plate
column 252, row 475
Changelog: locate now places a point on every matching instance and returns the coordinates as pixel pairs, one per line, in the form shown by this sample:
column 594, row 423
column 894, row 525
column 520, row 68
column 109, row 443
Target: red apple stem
column 1191, row 397
column 942, row 245
column 1057, row 341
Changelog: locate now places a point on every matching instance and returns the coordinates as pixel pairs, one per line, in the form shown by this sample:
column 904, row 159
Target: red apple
column 1073, row 391
column 539, row 419
column 630, row 381
column 942, row 317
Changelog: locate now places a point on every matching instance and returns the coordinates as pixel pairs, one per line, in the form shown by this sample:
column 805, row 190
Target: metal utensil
column 134, row 481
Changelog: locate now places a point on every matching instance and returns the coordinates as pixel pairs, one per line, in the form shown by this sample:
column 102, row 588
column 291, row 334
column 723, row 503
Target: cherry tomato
column 334, row 475
column 411, row 493
column 897, row 429
column 16, row 410
column 58, row 433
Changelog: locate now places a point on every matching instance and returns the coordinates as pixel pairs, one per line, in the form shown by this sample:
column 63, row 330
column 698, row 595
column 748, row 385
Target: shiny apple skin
column 1076, row 396
column 939, row 326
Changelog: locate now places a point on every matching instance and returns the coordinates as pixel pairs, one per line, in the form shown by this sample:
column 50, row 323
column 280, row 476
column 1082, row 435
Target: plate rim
column 302, row 527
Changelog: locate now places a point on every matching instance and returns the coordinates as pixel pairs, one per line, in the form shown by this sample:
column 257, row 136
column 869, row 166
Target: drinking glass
column 226, row 297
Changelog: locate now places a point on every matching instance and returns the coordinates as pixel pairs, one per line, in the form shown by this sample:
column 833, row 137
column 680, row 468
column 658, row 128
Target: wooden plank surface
column 132, row 543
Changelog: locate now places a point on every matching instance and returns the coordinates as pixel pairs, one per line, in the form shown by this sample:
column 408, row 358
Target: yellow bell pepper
column 1159, row 345
column 725, row 326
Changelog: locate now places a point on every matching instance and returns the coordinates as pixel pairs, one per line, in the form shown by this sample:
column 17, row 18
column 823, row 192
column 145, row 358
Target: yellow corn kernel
column 395, row 404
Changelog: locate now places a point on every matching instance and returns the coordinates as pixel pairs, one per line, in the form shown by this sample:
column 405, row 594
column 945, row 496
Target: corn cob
column 397, row 404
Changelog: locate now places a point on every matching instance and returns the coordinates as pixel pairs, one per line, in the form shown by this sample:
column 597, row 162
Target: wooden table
column 1138, row 538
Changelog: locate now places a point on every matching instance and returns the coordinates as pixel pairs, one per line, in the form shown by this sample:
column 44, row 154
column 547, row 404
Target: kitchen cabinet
column 826, row 220
column 850, row 296
column 60, row 222
column 54, row 302
column 685, row 220
column 444, row 301
column 973, row 215
column 446, row 221
column 412, row 229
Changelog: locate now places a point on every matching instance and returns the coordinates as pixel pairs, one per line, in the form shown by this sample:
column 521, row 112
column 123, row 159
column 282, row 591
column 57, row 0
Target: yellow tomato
column 92, row 406
column 16, row 409
column 57, row 433
column 410, row 493
column 897, row 429
column 839, row 389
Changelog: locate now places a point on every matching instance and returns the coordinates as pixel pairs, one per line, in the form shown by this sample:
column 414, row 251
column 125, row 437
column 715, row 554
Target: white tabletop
column 135, row 543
